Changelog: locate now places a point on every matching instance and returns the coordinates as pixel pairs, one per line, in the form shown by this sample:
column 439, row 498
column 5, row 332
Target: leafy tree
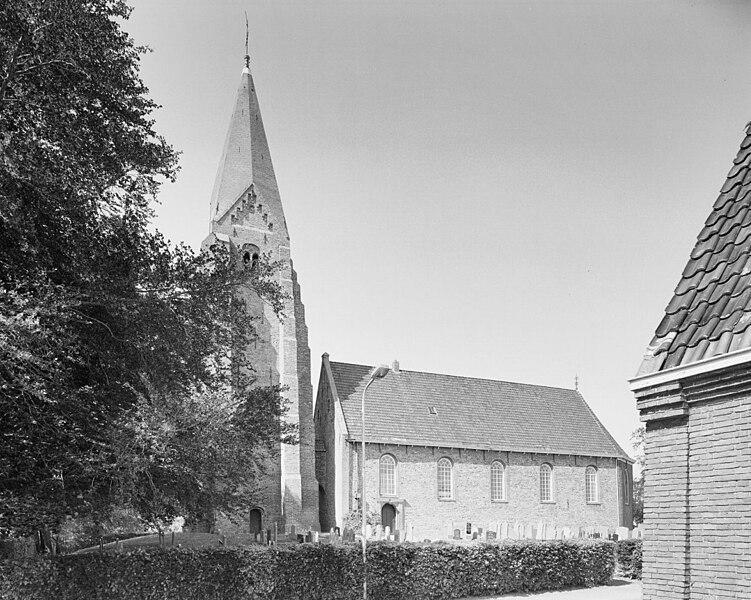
column 115, row 346
column 637, row 443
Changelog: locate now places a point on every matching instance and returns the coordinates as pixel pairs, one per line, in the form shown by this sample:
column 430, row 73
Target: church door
column 256, row 521
column 388, row 516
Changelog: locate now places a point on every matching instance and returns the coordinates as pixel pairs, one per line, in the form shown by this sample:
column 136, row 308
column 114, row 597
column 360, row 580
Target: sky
column 496, row 189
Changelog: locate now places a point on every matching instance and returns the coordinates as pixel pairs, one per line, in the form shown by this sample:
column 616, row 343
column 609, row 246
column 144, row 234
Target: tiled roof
column 710, row 313
column 470, row 413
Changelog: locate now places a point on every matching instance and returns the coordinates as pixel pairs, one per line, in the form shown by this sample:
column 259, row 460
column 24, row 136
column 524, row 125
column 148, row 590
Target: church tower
column 247, row 215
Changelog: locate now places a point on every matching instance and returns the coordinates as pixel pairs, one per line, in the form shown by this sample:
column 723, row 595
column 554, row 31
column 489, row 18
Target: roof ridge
column 535, row 385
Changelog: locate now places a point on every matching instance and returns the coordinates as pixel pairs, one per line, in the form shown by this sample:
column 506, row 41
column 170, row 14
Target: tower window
column 250, row 257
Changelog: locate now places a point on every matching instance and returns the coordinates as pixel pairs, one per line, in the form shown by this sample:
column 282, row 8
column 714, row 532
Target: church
column 446, row 453
column 443, row 450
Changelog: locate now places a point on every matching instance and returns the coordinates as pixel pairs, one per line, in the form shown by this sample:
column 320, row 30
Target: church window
column 250, row 258
column 497, row 482
column 546, row 483
column 590, row 485
column 445, row 479
column 387, row 475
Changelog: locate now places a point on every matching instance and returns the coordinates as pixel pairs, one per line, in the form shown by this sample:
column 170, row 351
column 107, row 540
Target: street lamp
column 376, row 373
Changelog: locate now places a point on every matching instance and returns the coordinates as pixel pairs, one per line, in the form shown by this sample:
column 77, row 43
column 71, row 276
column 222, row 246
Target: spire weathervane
column 247, row 52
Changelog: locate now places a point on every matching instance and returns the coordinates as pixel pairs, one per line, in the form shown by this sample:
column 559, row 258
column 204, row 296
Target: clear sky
column 496, row 189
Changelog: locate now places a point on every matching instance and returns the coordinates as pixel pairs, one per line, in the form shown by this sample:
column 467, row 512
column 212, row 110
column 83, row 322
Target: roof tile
column 710, row 312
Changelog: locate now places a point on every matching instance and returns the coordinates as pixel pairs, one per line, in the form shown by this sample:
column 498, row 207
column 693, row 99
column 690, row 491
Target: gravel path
column 619, row 589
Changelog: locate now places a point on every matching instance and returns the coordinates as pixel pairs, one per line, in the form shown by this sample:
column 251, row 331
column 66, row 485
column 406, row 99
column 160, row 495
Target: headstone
column 540, row 531
column 457, row 534
column 604, row 532
column 490, row 535
column 622, row 533
column 566, row 533
column 386, row 532
column 378, row 532
column 397, row 535
column 528, row 532
column 315, row 537
column 474, row 535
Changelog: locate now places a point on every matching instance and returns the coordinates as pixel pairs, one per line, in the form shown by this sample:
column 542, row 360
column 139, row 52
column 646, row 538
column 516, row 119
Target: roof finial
column 247, row 52
column 576, row 382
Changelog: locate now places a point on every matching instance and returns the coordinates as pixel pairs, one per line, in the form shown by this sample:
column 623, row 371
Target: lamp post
column 376, row 373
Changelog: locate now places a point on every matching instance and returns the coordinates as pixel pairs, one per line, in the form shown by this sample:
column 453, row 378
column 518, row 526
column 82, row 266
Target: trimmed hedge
column 313, row 572
column 628, row 558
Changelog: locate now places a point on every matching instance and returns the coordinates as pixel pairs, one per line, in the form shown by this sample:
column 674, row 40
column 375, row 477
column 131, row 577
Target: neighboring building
column 247, row 216
column 445, row 450
column 693, row 391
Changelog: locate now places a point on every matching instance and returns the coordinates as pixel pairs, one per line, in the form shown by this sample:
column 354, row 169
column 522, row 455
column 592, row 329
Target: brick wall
column 418, row 504
column 665, row 574
column 719, row 501
column 697, row 498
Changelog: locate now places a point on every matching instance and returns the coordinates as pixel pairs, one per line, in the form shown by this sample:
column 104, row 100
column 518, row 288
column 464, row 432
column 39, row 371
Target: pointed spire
column 246, row 159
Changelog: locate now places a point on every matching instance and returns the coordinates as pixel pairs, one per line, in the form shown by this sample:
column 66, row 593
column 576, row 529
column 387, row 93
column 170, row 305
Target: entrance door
column 388, row 516
column 256, row 521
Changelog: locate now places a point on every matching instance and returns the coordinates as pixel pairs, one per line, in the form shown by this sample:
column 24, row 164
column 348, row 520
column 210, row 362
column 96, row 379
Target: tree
column 107, row 330
column 637, row 443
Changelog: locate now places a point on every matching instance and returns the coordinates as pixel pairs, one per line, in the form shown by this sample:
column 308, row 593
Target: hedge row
column 628, row 558
column 313, row 572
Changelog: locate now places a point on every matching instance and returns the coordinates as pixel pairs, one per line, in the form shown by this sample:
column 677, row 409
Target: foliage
column 637, row 443
column 117, row 349
column 628, row 555
column 315, row 572
column 353, row 520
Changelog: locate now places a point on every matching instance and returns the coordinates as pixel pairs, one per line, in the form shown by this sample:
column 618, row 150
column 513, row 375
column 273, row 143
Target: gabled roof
column 470, row 413
column 245, row 159
column 710, row 313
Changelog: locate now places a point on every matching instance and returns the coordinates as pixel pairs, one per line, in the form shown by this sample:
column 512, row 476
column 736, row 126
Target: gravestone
column 457, row 534
column 490, row 535
column 623, row 533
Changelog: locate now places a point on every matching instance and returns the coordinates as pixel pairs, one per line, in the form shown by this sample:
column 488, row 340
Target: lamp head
column 379, row 372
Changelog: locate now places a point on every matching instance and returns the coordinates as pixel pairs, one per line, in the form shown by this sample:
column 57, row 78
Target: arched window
column 546, row 483
column 497, row 482
column 250, row 257
column 590, row 485
column 387, row 475
column 445, row 479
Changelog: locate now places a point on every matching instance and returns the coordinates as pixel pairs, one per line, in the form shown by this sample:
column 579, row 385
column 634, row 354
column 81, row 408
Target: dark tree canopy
column 115, row 345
